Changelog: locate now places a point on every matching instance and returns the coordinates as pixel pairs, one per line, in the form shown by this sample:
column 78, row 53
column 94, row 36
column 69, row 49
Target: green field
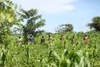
column 55, row 54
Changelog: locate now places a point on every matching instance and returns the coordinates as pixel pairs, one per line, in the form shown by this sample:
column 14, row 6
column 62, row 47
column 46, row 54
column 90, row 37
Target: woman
column 85, row 39
column 31, row 38
column 62, row 37
column 50, row 39
column 42, row 40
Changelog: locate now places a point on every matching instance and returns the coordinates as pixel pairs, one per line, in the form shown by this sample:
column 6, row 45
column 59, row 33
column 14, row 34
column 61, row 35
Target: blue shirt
column 31, row 39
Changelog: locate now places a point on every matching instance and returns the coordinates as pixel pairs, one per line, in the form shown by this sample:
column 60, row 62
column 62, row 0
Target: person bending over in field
column 50, row 39
column 73, row 40
column 31, row 38
column 62, row 37
column 85, row 39
column 19, row 40
column 42, row 40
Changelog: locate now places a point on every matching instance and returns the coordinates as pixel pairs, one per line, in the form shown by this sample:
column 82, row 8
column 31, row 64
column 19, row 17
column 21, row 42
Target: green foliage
column 34, row 21
column 95, row 24
column 64, row 28
column 8, row 17
column 55, row 54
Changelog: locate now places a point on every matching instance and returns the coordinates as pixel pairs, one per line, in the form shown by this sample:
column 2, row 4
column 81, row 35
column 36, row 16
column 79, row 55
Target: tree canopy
column 8, row 17
column 33, row 22
column 64, row 28
column 95, row 24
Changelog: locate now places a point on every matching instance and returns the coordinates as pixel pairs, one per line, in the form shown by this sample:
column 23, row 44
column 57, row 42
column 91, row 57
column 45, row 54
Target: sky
column 56, row 12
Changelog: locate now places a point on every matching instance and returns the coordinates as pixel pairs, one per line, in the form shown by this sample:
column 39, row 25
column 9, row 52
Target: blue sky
column 57, row 12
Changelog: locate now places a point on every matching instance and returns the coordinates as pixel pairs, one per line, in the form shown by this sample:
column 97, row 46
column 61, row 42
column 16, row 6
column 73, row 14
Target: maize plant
column 55, row 54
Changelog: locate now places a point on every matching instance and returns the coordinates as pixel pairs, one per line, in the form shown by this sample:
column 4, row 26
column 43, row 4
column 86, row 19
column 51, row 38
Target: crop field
column 55, row 54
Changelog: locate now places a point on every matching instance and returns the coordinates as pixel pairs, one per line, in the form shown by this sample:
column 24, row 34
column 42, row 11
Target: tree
column 95, row 24
column 8, row 17
column 64, row 28
column 33, row 22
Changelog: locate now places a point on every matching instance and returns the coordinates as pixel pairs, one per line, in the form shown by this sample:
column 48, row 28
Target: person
column 50, row 39
column 42, row 40
column 62, row 37
column 19, row 40
column 85, row 39
column 31, row 38
column 73, row 40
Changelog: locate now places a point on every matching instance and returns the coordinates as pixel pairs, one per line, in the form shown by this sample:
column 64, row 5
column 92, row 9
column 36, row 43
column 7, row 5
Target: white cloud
column 47, row 5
